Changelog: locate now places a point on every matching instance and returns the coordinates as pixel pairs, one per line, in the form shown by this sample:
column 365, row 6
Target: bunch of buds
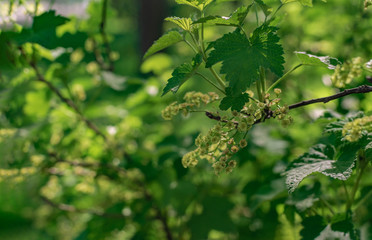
column 192, row 100
column 345, row 73
column 353, row 131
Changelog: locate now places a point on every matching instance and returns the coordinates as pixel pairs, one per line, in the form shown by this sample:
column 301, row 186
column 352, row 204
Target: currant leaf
column 164, row 41
column 308, row 3
column 198, row 4
column 235, row 102
column 266, row 9
column 242, row 57
column 320, row 158
column 235, row 19
column 326, row 61
column 181, row 74
column 184, row 23
column 312, row 227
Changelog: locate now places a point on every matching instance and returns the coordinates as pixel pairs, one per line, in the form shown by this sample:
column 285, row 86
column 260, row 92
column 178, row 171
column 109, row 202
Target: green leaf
column 312, row 60
column 184, row 23
column 313, row 226
column 6, row 56
column 43, row 30
column 241, row 57
column 235, row 102
column 198, row 4
column 266, row 9
column 320, row 158
column 181, row 74
column 305, row 197
column 344, row 225
column 235, row 19
column 48, row 20
column 164, row 41
column 308, row 3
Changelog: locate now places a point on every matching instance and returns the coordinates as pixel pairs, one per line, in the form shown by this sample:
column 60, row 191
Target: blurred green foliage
column 60, row 179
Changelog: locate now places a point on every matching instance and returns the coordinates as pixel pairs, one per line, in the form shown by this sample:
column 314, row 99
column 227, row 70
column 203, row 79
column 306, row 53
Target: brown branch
column 269, row 113
column 360, row 89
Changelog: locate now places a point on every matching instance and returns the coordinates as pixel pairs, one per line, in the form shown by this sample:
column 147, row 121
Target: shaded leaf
column 313, row 226
column 241, row 57
column 181, row 74
column 235, row 19
column 320, row 158
column 164, row 41
column 266, row 9
column 235, row 102
column 312, row 60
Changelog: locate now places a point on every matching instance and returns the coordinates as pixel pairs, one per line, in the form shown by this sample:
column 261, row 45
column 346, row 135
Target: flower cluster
column 345, row 73
column 217, row 147
column 192, row 100
column 353, row 131
column 222, row 141
column 269, row 108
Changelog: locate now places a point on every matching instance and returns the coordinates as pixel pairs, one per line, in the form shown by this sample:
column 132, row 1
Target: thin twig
column 269, row 113
column 69, row 102
column 360, row 89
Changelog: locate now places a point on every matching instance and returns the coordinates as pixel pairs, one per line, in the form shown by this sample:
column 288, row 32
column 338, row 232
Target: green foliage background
column 60, row 180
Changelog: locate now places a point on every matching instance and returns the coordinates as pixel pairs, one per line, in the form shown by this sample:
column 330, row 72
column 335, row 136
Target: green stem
column 219, row 79
column 362, row 166
column 361, row 202
column 346, row 192
column 283, row 77
column 191, row 46
column 200, row 47
column 263, row 80
column 326, row 203
column 209, row 81
column 259, row 94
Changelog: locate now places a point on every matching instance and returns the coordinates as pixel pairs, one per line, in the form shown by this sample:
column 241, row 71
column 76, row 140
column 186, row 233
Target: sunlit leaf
column 198, row 4
column 184, row 23
column 312, row 60
column 168, row 39
column 235, row 19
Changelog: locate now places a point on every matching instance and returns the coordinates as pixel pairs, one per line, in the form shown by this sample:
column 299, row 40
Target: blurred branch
column 87, row 165
column 159, row 215
column 102, row 30
column 69, row 102
column 70, row 208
